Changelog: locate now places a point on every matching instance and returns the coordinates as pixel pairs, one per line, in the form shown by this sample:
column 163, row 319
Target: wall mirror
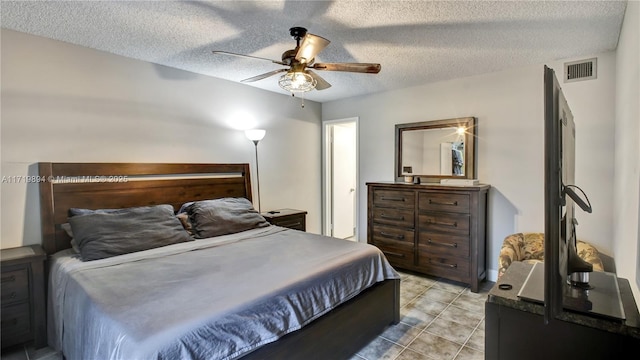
column 434, row 150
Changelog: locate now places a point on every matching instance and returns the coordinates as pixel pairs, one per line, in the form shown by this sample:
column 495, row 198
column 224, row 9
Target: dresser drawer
column 443, row 245
column 448, row 267
column 395, row 217
column 14, row 286
column 394, row 198
column 448, row 202
column 453, row 224
column 399, row 255
column 383, row 233
column 16, row 322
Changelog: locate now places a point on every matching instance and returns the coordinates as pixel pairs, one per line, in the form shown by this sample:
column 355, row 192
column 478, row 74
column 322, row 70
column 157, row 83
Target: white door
column 446, row 160
column 343, row 187
column 340, row 178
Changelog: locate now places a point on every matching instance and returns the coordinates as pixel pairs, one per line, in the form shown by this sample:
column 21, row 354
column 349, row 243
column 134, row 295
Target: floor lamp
column 256, row 135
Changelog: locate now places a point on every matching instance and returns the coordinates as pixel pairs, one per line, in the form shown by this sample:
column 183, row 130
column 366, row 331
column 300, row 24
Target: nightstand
column 23, row 296
column 289, row 218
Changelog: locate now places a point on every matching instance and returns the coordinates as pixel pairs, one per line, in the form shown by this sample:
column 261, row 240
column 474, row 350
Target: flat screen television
column 567, row 283
column 559, row 153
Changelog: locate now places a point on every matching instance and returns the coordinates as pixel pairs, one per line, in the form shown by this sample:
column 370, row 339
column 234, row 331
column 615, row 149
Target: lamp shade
column 255, row 134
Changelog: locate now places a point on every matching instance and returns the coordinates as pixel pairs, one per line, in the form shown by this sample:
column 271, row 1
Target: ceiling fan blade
column 368, row 68
column 248, row 56
column 310, row 47
column 264, row 76
column 321, row 83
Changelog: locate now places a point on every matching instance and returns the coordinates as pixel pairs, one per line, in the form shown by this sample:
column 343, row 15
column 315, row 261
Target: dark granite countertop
column 516, row 275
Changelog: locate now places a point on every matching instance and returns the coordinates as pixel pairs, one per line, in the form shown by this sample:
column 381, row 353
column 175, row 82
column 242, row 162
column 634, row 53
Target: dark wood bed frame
column 337, row 335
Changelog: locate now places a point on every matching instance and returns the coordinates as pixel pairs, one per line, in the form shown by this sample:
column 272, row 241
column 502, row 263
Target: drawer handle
column 11, row 278
column 11, row 322
column 13, row 295
column 453, row 245
column 452, row 266
column 385, row 216
column 455, row 203
column 453, row 224
column 392, row 198
column 394, row 254
column 392, row 236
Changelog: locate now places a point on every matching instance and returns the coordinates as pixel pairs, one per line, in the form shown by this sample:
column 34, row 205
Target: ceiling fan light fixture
column 297, row 81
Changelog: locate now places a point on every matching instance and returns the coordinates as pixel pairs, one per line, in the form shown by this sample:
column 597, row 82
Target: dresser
column 289, row 218
column 23, row 296
column 434, row 229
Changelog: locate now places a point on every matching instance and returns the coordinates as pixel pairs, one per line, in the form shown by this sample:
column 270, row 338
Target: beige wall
column 509, row 108
column 626, row 212
column 66, row 103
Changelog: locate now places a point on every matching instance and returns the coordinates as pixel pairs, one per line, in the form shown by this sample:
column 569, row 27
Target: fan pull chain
column 301, row 99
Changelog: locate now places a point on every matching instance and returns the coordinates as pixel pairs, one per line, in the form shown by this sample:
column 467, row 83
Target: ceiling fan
column 298, row 76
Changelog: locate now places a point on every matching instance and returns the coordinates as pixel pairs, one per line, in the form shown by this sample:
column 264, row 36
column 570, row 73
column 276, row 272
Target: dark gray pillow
column 222, row 216
column 109, row 232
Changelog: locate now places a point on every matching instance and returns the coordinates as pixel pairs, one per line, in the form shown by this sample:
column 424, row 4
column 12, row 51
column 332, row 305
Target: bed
column 266, row 292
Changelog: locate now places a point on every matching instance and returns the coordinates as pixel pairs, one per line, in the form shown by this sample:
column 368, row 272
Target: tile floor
column 439, row 320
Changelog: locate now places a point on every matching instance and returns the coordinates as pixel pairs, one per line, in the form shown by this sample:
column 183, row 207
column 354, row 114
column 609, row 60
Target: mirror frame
column 470, row 123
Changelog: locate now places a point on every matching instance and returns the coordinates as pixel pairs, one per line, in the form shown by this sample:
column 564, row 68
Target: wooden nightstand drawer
column 289, row 218
column 15, row 286
column 23, row 297
column 291, row 222
column 16, row 321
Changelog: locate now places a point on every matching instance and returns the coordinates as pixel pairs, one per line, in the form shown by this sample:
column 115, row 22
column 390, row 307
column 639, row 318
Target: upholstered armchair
column 529, row 247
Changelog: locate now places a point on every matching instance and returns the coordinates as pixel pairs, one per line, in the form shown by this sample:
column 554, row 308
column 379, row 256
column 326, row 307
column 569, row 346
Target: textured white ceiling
column 416, row 42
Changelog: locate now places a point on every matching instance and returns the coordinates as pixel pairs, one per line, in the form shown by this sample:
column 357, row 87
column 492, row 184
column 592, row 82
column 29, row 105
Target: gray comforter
column 217, row 298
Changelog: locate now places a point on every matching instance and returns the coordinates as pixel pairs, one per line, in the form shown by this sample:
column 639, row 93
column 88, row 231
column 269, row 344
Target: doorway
column 340, row 167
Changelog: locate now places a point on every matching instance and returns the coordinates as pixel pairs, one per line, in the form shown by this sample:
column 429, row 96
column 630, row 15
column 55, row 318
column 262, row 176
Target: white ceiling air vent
column 580, row 70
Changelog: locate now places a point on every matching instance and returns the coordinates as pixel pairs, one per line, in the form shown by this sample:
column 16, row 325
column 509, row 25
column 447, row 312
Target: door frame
column 326, row 175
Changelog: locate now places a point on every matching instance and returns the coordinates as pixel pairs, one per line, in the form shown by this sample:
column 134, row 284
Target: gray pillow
column 183, row 217
column 104, row 233
column 222, row 216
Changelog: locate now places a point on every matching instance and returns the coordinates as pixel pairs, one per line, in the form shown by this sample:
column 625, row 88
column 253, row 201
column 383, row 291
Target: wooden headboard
column 122, row 185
